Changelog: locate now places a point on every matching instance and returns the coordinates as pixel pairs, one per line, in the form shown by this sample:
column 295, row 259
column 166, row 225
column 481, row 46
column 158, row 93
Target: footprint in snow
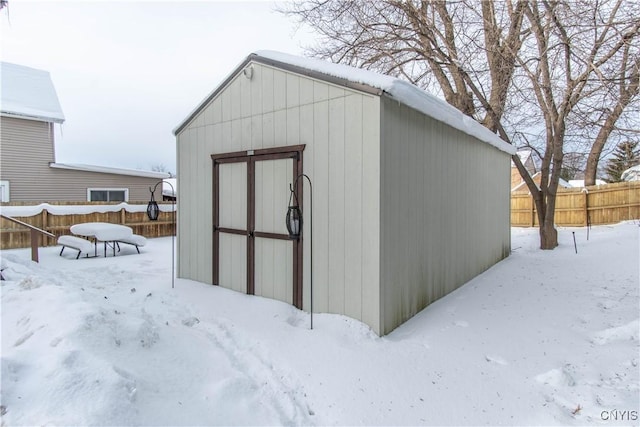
column 630, row 332
column 461, row 323
column 295, row 320
column 557, row 377
column 496, row 359
column 191, row 321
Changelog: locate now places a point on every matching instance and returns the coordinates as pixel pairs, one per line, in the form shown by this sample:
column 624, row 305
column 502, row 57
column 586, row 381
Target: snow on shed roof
column 400, row 90
column 115, row 171
column 28, row 93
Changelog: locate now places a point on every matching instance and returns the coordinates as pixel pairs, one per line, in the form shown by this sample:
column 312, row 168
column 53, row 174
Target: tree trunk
column 545, row 208
column 548, row 232
column 548, row 235
column 627, row 93
column 591, row 171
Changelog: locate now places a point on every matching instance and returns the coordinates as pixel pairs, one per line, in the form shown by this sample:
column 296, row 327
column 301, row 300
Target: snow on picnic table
column 544, row 337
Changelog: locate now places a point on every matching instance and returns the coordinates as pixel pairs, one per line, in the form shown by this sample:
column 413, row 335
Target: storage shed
column 410, row 197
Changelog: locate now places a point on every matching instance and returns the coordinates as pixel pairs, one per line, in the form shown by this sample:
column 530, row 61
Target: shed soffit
column 365, row 81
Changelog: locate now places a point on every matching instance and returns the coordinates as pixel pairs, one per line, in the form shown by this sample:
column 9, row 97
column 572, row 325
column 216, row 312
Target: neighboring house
column 170, row 189
column 527, row 160
column 631, row 174
column 522, row 186
column 29, row 110
column 410, row 197
column 579, row 183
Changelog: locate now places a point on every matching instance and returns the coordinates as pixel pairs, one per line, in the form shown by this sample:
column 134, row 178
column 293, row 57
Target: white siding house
column 631, row 174
column 410, row 197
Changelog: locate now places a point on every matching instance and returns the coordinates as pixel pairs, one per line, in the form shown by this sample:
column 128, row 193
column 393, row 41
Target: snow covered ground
column 542, row 338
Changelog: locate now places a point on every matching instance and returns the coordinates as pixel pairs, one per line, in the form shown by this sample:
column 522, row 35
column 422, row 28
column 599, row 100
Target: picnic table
column 108, row 234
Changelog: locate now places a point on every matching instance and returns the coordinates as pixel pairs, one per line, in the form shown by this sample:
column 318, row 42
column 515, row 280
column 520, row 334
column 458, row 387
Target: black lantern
column 294, row 216
column 294, row 222
column 294, row 225
column 152, row 209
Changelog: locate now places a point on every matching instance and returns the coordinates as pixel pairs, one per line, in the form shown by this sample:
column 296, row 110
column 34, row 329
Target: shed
column 410, row 197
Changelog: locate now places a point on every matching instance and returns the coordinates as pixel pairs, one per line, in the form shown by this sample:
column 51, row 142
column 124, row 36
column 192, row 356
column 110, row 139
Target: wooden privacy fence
column 575, row 207
column 13, row 235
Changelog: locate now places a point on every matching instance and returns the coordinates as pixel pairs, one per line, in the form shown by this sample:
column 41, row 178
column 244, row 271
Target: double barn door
column 252, row 252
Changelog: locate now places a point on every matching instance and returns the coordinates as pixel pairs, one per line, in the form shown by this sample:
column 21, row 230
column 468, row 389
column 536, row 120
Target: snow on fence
column 575, row 207
column 58, row 217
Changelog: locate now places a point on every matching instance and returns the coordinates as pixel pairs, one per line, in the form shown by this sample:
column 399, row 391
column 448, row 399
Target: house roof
column 115, row 171
column 524, row 154
column 28, row 93
column 523, row 185
column 169, row 187
column 631, row 174
column 366, row 81
column 578, row 183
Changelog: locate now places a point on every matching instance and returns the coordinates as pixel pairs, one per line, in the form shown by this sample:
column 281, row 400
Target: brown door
column 252, row 251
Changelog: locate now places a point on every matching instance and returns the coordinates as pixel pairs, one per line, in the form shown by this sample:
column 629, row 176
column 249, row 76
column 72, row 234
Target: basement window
column 108, row 194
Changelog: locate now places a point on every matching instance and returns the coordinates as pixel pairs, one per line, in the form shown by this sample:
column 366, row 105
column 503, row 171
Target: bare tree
column 626, row 86
column 562, row 63
column 481, row 56
column 160, row 167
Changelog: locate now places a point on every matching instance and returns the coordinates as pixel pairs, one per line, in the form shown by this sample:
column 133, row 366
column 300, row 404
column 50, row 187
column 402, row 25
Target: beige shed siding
column 278, row 108
column 440, row 226
column 32, row 180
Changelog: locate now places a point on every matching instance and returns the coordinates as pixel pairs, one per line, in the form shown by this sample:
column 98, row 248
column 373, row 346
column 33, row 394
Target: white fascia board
column 34, row 117
column 109, row 170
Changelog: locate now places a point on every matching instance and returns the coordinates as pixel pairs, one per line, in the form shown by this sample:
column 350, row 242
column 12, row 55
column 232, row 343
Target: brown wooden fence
column 13, row 235
column 575, row 207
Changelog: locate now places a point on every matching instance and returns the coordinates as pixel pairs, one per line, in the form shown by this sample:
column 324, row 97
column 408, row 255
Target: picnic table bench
column 111, row 235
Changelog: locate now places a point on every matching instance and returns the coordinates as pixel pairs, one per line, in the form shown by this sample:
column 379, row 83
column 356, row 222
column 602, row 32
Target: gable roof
column 365, row 81
column 524, row 154
column 28, row 93
column 523, row 185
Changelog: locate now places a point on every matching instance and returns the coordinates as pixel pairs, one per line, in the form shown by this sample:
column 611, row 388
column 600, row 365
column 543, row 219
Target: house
column 169, row 189
column 526, row 158
column 579, row 183
column 29, row 110
column 410, row 198
column 631, row 174
column 517, row 183
column 522, row 186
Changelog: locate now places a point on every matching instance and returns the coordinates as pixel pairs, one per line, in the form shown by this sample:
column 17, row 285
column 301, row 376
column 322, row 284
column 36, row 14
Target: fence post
column 586, row 206
column 45, row 224
column 34, row 245
column 123, row 216
column 629, row 201
column 533, row 205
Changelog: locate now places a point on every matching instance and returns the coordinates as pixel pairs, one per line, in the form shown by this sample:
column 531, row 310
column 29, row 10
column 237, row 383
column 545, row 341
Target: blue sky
column 126, row 73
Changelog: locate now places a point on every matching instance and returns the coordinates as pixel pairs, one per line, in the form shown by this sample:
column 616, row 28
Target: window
column 108, row 194
column 4, row 191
